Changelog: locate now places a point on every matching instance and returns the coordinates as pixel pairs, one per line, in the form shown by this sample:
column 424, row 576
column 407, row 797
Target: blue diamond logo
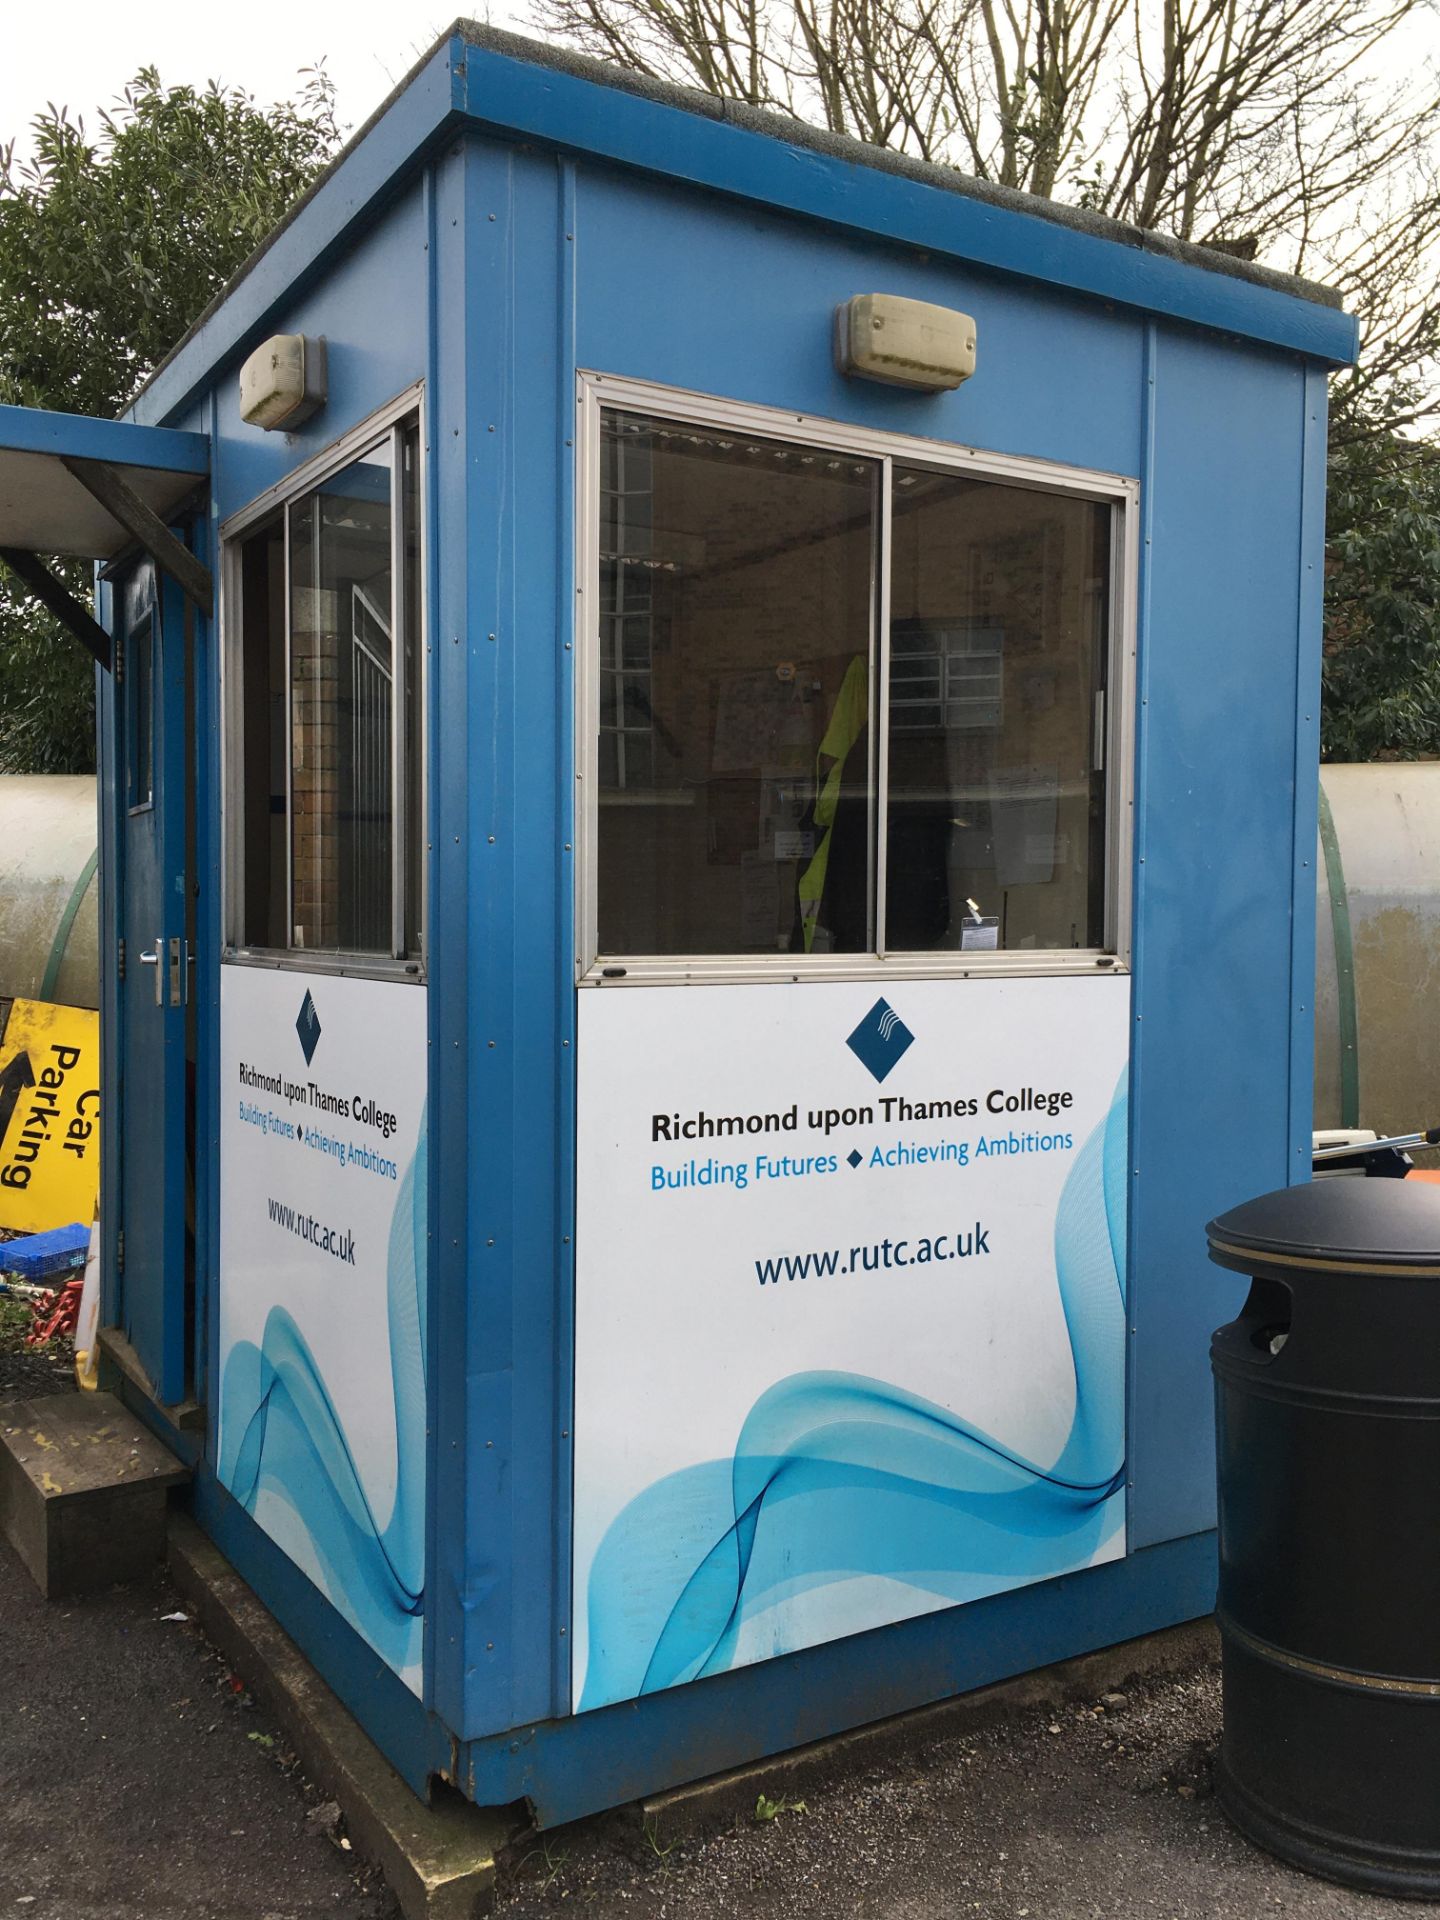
column 308, row 1028
column 880, row 1040
column 854, row 1157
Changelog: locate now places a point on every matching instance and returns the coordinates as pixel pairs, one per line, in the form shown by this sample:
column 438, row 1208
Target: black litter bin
column 1327, row 1394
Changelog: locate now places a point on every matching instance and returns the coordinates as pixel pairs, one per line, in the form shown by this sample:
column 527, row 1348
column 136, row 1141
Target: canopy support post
column 122, row 503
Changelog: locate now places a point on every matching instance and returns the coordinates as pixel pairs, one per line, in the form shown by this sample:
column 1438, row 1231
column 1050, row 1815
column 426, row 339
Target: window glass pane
column 736, row 600
column 999, row 611
column 263, row 920
column 342, row 671
column 140, row 648
column 414, row 701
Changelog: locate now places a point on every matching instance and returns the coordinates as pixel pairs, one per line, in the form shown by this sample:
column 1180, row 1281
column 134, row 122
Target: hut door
column 154, row 993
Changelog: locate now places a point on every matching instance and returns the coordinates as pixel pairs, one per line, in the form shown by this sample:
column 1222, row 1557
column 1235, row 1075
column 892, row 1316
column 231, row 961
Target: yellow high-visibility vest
column 846, row 725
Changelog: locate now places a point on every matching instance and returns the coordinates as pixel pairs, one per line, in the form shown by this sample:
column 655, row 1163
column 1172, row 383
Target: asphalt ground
column 1098, row 1812
column 139, row 1782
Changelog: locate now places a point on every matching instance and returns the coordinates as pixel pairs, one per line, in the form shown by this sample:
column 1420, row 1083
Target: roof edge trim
column 507, row 86
column 514, row 86
column 118, row 443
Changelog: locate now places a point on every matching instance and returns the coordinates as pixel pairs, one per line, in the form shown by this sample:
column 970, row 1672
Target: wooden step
column 83, row 1490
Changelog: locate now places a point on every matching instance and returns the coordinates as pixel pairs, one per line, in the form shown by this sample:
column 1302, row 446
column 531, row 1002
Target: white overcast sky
column 80, row 54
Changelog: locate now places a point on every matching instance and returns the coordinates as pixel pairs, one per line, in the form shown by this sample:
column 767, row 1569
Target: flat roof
column 510, row 87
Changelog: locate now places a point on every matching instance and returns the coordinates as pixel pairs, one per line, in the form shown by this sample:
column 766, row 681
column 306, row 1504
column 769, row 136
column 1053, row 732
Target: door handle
column 152, row 959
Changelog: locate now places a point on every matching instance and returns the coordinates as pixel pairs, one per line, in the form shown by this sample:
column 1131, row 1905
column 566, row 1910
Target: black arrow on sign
column 13, row 1081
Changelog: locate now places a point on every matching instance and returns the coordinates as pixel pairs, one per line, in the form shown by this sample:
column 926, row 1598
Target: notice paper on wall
column 1023, row 806
column 850, row 1326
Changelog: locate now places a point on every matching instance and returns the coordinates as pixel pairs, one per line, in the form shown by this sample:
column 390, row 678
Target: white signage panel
column 850, row 1322
column 322, row 1285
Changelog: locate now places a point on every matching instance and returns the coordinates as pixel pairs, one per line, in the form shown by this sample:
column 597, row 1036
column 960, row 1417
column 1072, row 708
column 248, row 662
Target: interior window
column 998, row 639
column 736, row 616
column 329, row 713
column 140, row 649
column 743, row 802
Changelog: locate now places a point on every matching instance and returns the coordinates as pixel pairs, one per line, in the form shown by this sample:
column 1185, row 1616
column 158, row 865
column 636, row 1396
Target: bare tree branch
column 1267, row 127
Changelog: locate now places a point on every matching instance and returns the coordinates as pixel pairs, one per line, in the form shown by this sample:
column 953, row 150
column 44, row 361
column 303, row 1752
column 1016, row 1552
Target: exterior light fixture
column 283, row 382
column 904, row 343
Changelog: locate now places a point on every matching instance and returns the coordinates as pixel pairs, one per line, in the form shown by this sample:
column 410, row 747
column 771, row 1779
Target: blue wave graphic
column 850, row 1502
column 282, row 1440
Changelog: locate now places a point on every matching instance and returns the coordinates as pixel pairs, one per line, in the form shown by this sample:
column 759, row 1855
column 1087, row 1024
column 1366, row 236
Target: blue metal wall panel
column 377, row 330
column 513, row 93
column 505, row 90
column 453, row 1578
column 1214, row 876
column 415, row 1745
column 501, row 1430
column 205, row 975
column 372, row 311
column 1215, row 927
column 330, row 225
column 568, row 1768
column 745, row 308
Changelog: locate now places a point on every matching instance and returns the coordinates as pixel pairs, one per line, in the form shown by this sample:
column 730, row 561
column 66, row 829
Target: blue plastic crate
column 43, row 1256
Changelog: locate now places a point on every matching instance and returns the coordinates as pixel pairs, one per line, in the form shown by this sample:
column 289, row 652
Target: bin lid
column 1391, row 1226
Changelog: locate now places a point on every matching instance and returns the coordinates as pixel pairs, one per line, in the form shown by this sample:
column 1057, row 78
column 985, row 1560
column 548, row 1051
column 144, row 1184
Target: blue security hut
column 708, row 770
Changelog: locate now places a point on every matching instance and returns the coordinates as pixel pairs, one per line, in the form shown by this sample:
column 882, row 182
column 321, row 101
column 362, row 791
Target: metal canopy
column 89, row 489
column 44, row 508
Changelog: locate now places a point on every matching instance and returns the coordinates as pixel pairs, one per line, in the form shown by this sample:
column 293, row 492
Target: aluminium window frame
column 385, row 423
column 596, row 391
